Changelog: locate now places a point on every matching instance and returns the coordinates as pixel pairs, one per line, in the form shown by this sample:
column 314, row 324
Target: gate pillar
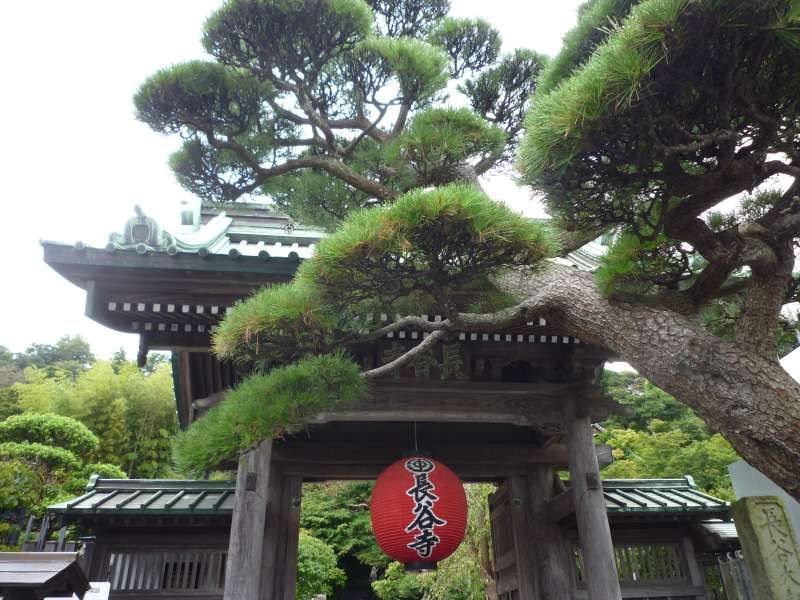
column 597, row 549
column 243, row 567
column 279, row 561
column 265, row 529
column 554, row 565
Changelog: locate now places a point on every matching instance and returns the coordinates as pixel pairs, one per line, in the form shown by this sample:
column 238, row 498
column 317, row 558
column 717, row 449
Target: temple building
column 512, row 407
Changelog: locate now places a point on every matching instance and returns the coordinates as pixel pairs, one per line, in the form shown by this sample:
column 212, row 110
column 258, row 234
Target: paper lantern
column 419, row 511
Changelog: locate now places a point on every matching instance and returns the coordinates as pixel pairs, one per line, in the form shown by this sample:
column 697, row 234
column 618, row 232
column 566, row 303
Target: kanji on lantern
column 419, row 511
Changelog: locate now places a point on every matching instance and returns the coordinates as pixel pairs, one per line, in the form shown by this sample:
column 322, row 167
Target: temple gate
column 512, row 407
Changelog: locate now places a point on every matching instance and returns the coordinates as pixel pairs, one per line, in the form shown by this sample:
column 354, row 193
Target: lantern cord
column 416, row 444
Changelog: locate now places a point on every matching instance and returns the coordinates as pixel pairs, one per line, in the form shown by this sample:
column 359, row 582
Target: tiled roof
column 724, row 531
column 151, row 497
column 180, row 497
column 659, row 496
column 253, row 230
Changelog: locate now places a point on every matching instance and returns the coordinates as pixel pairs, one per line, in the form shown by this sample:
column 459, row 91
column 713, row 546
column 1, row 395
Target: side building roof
column 164, row 497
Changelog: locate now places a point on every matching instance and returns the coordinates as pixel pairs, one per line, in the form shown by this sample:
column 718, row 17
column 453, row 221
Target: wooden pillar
column 600, row 568
column 243, row 567
column 519, row 490
column 547, row 542
column 278, row 570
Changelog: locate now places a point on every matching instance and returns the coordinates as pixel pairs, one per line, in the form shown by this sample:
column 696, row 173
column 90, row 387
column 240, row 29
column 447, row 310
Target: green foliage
column 50, row 430
column 629, row 132
column 317, row 570
column 338, row 513
column 294, row 37
column 663, row 438
column 642, row 266
column 414, row 18
column 439, row 140
column 70, row 355
column 596, row 21
column 420, row 68
column 437, row 246
column 305, row 97
column 39, row 455
column 671, row 453
column 9, row 402
column 396, row 584
column 500, row 93
column 201, row 92
column 20, row 484
column 131, row 413
column 471, row 44
column 268, row 406
column 429, row 250
column 283, row 322
column 612, row 79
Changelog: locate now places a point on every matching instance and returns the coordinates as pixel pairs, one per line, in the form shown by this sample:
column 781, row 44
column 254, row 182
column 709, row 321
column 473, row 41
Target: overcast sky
column 75, row 161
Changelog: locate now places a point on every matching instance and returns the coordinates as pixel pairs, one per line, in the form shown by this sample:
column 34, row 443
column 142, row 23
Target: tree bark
column 745, row 396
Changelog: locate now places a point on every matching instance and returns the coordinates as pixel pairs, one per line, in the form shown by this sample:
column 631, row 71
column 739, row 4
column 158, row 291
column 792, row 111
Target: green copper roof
column 150, row 497
column 659, row 496
column 186, row 497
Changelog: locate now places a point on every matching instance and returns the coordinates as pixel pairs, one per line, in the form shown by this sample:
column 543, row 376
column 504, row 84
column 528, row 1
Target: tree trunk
column 746, row 397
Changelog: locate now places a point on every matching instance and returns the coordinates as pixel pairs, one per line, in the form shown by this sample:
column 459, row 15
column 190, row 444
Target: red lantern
column 419, row 511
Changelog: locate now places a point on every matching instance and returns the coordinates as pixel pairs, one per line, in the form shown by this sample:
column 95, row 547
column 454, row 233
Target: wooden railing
column 648, row 571
column 154, row 573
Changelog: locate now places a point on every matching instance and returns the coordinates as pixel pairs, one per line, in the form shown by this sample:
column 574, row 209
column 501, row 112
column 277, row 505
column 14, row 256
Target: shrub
column 50, row 430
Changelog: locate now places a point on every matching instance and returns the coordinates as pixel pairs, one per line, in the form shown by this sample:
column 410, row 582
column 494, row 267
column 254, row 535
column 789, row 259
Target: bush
column 19, row 484
column 317, row 571
column 50, row 430
column 39, row 455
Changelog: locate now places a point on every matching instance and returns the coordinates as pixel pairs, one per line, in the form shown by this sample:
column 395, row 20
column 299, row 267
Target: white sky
column 75, row 161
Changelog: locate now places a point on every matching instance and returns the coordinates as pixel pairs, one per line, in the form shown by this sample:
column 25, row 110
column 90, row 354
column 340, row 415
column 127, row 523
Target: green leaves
column 439, row 140
column 38, row 454
column 277, row 325
column 433, row 245
column 611, row 80
column 420, row 68
column 285, row 40
column 471, row 44
column 50, row 430
column 199, row 95
column 317, row 571
column 268, row 406
column 595, row 22
column 500, row 93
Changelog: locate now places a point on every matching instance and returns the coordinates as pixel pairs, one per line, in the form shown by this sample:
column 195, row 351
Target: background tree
column 662, row 438
column 317, row 572
column 70, row 354
column 629, row 133
column 132, row 413
column 45, row 459
column 332, row 105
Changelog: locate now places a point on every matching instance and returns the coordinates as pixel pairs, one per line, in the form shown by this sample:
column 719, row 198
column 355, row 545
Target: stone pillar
column 600, row 568
column 243, row 567
column 769, row 546
column 547, row 543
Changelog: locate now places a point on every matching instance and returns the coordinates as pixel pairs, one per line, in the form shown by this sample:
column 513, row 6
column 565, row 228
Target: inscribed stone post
column 769, row 546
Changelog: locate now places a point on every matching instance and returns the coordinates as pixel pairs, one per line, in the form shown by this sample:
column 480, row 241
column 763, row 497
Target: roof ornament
column 143, row 234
